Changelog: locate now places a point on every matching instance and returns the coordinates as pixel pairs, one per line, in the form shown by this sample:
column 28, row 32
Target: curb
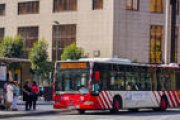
column 34, row 113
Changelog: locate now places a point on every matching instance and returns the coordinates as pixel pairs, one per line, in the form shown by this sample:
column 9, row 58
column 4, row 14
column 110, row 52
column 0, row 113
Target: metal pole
column 56, row 28
column 57, row 39
column 167, row 25
column 173, row 31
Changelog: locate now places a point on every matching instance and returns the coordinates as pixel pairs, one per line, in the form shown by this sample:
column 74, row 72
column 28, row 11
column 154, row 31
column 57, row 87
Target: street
column 170, row 114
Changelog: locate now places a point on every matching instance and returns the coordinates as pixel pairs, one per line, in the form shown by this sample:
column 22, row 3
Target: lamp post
column 170, row 29
column 167, row 25
column 57, row 40
column 173, row 31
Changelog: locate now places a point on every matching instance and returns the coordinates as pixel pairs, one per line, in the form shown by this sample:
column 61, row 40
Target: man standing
column 27, row 95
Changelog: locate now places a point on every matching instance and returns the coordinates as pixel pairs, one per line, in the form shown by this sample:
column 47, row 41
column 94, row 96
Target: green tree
column 72, row 52
column 12, row 47
column 38, row 57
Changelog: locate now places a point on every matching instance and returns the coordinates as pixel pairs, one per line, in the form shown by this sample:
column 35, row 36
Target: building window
column 156, row 6
column 64, row 5
column 30, row 35
column 63, row 35
column 31, row 7
column 156, row 44
column 2, row 31
column 132, row 5
column 2, row 9
column 97, row 4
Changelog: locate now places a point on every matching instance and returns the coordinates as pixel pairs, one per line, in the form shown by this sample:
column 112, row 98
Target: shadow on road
column 126, row 113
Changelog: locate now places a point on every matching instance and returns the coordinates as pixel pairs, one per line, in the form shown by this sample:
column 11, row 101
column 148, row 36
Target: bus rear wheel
column 116, row 105
column 163, row 104
column 133, row 110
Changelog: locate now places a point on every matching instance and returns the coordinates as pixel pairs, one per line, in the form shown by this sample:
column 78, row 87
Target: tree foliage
column 12, row 47
column 72, row 52
column 38, row 57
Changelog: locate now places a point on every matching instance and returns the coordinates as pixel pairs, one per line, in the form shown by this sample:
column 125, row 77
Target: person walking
column 16, row 94
column 27, row 95
column 35, row 90
column 9, row 95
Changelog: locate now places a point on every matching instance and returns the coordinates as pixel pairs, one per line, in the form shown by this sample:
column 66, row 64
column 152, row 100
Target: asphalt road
column 171, row 114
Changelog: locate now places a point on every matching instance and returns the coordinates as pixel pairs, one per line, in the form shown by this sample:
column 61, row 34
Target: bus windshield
column 72, row 80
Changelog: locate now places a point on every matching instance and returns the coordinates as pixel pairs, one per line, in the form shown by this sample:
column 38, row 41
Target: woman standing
column 9, row 95
column 35, row 90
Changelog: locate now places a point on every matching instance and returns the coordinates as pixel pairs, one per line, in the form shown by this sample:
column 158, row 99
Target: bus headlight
column 89, row 103
column 82, row 98
column 64, row 98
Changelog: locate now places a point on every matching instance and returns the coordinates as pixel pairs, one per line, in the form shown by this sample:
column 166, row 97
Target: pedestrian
column 16, row 94
column 9, row 94
column 27, row 94
column 4, row 92
column 35, row 90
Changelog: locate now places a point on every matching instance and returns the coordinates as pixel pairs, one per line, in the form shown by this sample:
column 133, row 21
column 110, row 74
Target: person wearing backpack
column 35, row 90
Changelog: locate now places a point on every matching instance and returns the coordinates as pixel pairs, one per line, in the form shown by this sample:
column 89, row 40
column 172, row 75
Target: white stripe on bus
column 100, row 103
column 177, row 98
column 170, row 102
column 154, row 99
column 158, row 97
column 104, row 103
column 110, row 97
column 172, row 96
column 107, row 99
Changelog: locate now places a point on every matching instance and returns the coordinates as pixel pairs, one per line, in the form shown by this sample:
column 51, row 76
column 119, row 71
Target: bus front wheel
column 116, row 105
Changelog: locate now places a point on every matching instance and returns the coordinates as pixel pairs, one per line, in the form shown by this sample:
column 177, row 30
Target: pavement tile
column 41, row 109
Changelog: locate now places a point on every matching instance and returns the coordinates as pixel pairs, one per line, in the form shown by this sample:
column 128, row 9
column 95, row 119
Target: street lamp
column 57, row 40
column 167, row 25
column 170, row 28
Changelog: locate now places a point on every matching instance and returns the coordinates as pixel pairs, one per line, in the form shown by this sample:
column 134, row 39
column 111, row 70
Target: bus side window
column 177, row 81
column 104, row 80
column 132, row 80
column 128, row 86
column 117, row 81
column 112, row 81
column 145, row 81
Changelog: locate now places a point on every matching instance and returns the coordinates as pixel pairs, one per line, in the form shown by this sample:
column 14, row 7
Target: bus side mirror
column 95, row 90
column 97, row 76
column 95, row 87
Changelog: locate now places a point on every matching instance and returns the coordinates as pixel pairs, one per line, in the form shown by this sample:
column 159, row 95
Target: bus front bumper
column 75, row 107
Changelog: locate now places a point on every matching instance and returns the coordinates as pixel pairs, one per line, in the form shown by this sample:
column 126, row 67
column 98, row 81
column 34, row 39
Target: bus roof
column 123, row 61
column 109, row 60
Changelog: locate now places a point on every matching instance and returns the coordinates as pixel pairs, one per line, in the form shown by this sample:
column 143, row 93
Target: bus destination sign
column 73, row 65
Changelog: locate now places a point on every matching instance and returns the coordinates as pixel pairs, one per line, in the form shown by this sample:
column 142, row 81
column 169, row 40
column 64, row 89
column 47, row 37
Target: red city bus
column 113, row 84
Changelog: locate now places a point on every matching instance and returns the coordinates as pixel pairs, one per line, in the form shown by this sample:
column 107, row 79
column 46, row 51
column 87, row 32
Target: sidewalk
column 40, row 101
column 41, row 109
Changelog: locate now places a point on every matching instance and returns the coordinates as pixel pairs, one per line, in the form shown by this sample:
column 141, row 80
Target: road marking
column 105, row 119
